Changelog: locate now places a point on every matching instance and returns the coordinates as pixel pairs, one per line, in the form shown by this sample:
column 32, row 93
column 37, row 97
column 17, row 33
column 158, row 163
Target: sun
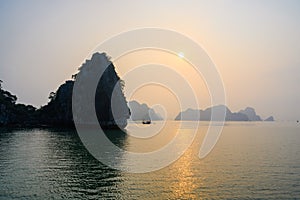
column 181, row 55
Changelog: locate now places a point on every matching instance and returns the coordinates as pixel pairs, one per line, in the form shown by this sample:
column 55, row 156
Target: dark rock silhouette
column 58, row 111
column 110, row 102
column 141, row 112
column 13, row 114
column 251, row 114
column 270, row 119
column 206, row 115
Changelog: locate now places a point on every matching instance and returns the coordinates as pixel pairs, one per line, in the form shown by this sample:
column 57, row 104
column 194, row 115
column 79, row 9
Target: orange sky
column 255, row 45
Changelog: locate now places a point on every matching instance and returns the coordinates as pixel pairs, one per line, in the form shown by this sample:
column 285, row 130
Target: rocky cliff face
column 58, row 112
column 108, row 92
column 110, row 102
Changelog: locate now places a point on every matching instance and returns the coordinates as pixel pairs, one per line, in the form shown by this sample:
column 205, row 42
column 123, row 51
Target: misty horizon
column 254, row 45
column 152, row 99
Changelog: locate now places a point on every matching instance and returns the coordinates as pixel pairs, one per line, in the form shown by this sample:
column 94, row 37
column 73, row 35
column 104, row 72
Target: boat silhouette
column 146, row 121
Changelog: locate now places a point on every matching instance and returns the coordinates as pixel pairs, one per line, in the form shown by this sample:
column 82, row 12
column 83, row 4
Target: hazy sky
column 255, row 44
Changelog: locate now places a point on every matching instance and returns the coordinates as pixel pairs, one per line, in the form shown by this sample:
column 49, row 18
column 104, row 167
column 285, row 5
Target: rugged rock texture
column 58, row 112
column 141, row 112
column 111, row 105
column 206, row 115
column 251, row 114
column 59, row 109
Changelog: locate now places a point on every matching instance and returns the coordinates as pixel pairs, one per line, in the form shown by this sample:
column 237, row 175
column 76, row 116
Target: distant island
column 248, row 114
column 141, row 112
column 58, row 111
column 270, row 119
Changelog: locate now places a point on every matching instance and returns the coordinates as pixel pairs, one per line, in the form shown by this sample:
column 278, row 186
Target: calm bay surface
column 250, row 161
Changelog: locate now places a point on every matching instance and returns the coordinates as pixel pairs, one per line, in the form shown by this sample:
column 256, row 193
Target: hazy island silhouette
column 58, row 111
column 248, row 114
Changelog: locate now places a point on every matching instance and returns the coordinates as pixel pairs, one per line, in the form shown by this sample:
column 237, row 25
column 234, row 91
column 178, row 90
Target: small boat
column 146, row 121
